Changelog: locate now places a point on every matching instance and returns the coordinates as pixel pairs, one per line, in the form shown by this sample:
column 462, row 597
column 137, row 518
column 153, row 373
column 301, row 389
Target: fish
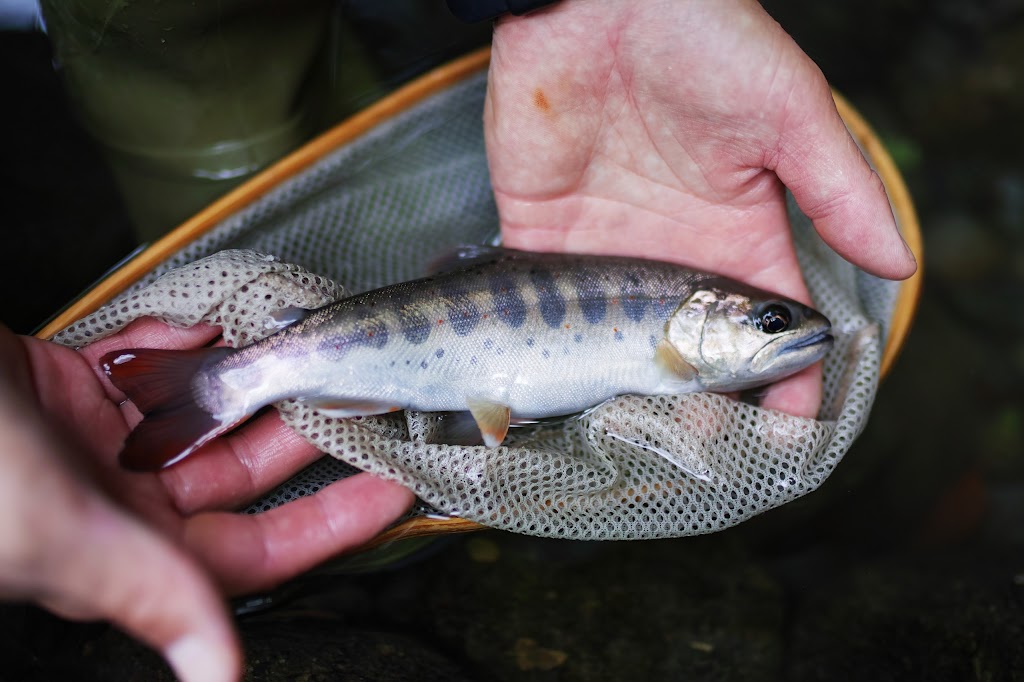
column 496, row 334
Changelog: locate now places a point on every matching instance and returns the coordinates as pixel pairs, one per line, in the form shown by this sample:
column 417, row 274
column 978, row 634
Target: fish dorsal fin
column 669, row 359
column 464, row 256
column 492, row 419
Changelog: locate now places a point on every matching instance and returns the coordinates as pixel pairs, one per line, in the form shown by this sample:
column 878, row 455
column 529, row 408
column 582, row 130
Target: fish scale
column 507, row 335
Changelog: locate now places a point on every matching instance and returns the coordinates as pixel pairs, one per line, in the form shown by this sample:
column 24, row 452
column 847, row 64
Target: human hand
column 667, row 129
column 152, row 552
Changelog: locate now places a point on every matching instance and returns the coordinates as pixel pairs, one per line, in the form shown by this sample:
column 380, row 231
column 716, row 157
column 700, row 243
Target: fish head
column 737, row 337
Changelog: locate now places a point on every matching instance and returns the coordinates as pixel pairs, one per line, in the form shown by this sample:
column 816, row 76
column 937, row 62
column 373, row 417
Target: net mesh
column 376, row 211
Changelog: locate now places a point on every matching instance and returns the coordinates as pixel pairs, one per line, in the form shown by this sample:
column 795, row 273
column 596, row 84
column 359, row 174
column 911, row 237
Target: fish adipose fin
column 463, row 257
column 159, row 382
column 285, row 317
column 492, row 419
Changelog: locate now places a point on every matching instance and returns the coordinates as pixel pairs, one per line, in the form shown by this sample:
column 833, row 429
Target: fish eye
column 774, row 319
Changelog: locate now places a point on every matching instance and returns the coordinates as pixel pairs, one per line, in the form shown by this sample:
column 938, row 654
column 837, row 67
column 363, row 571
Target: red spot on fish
column 615, row 301
column 632, row 298
column 615, row 329
column 566, row 326
column 440, row 321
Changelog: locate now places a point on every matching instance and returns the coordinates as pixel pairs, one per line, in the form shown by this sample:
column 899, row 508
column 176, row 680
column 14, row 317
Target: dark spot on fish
column 591, row 298
column 423, row 364
column 412, row 321
column 367, row 332
column 577, row 337
column 439, row 353
column 653, row 341
column 664, row 307
column 488, row 344
column 376, row 335
column 463, row 313
column 619, row 336
column 634, row 302
column 552, row 305
column 508, row 302
column 529, row 342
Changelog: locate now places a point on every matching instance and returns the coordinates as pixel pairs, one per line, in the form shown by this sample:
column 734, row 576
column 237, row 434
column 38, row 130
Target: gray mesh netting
column 375, row 212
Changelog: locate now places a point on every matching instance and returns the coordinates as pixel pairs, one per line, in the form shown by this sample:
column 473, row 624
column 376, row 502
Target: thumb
column 116, row 569
column 835, row 187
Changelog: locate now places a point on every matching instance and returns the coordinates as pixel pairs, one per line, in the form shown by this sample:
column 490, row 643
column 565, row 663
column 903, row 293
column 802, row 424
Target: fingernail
column 197, row 660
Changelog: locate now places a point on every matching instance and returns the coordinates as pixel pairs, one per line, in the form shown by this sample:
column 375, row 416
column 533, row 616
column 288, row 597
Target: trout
column 499, row 335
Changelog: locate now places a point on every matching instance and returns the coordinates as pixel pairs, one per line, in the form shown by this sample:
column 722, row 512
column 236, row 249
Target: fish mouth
column 822, row 337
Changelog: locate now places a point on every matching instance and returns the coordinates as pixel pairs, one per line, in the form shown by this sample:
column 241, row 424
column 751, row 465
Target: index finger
column 249, row 552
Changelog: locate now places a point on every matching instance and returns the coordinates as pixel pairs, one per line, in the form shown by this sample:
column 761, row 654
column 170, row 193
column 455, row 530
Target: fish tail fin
column 159, row 382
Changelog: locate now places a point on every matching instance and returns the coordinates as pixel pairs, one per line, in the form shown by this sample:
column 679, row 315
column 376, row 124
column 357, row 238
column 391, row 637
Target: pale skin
column 154, row 553
column 641, row 127
column 667, row 129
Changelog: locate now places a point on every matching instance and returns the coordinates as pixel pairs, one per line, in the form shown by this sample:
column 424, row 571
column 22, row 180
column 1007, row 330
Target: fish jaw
column 794, row 351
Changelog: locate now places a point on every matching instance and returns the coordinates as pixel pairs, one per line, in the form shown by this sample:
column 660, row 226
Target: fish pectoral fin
column 343, row 409
column 492, row 419
column 669, row 359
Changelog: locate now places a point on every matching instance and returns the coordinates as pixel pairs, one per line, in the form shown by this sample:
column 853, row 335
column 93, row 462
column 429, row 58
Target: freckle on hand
column 540, row 100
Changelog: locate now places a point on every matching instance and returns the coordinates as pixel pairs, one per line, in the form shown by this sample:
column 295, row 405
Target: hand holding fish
column 669, row 130
column 151, row 552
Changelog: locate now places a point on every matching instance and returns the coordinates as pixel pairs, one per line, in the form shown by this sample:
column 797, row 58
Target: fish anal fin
column 344, row 409
column 492, row 418
column 669, row 359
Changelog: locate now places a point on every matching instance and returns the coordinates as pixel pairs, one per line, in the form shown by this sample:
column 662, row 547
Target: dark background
column 908, row 564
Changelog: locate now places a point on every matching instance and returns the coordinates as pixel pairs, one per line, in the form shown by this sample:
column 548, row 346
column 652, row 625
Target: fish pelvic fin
column 492, row 419
column 159, row 382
